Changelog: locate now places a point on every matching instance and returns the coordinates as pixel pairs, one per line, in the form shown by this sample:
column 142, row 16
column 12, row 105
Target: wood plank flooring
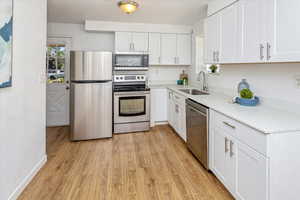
column 138, row 166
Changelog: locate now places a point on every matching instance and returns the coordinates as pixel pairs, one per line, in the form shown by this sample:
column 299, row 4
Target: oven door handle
column 129, row 94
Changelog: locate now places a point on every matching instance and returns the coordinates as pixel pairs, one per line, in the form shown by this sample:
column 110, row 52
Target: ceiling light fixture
column 128, row 6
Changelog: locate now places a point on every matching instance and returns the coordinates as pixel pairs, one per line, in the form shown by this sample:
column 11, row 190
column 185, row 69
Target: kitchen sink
column 193, row 92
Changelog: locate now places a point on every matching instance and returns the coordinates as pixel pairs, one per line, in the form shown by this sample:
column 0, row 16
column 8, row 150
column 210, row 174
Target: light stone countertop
column 262, row 118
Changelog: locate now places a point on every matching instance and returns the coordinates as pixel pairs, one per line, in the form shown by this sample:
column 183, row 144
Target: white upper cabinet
column 228, row 35
column 131, row 41
column 212, row 37
column 169, row 49
column 254, row 31
column 163, row 48
column 251, row 31
column 283, row 30
column 184, row 49
column 123, row 41
column 140, row 42
column 154, row 49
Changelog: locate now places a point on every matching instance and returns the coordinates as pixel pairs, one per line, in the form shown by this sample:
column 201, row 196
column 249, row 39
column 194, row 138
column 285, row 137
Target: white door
column 251, row 31
column 252, row 174
column 140, row 42
column 184, row 49
column 58, row 93
column 123, row 42
column 212, row 38
column 229, row 34
column 283, row 30
column 168, row 49
column 154, row 48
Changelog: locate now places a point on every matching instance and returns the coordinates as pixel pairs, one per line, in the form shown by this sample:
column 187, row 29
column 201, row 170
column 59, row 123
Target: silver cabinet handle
column 175, row 60
column 261, row 48
column 268, row 51
column 218, row 56
column 231, row 149
column 214, row 56
column 159, row 60
column 226, row 145
column 229, row 125
column 133, row 46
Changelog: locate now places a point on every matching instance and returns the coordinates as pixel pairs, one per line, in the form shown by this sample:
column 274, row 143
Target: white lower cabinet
column 176, row 113
column 252, row 173
column 159, row 104
column 223, row 164
column 242, row 170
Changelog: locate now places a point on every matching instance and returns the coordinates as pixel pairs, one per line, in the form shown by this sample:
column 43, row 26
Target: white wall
column 274, row 83
column 22, row 106
column 81, row 40
column 165, row 74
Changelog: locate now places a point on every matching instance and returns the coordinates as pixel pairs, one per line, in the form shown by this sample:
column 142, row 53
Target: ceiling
column 185, row 12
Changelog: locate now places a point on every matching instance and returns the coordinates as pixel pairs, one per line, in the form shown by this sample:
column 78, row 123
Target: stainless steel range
column 131, row 103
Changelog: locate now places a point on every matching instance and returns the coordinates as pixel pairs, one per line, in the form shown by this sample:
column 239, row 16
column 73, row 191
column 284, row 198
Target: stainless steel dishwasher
column 197, row 130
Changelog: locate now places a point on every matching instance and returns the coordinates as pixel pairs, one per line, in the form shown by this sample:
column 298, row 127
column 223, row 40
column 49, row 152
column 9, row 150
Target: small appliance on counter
column 131, row 102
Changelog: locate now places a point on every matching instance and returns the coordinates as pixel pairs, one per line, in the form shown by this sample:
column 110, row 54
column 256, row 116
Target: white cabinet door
column 251, row 45
column 154, row 48
column 171, row 108
column 123, row 41
column 224, row 158
column 212, row 38
column 182, row 122
column 229, row 34
column 219, row 150
column 252, row 174
column 140, row 42
column 184, row 49
column 283, row 30
column 159, row 105
column 168, row 49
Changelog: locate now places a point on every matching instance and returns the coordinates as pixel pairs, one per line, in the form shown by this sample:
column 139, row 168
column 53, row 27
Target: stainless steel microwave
column 130, row 61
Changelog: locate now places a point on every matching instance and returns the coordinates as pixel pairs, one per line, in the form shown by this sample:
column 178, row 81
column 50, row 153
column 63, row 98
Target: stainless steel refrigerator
column 91, row 95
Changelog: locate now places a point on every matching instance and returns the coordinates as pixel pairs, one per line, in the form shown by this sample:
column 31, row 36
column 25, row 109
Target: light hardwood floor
column 139, row 166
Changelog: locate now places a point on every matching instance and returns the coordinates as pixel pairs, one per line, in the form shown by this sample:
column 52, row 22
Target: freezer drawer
column 91, row 66
column 91, row 111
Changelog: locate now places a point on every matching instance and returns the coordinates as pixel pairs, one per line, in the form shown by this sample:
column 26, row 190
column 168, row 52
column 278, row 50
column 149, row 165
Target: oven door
column 131, row 62
column 131, row 107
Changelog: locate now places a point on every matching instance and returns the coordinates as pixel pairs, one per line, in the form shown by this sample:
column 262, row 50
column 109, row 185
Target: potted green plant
column 213, row 68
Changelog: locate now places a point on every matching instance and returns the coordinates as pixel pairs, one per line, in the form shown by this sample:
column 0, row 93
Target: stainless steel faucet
column 204, row 83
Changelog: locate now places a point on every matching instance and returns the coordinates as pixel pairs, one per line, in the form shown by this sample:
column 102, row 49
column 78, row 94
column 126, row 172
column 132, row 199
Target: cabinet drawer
column 179, row 99
column 245, row 134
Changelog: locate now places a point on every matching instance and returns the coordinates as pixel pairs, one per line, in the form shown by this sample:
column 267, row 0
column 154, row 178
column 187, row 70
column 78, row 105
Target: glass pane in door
column 132, row 106
column 56, row 62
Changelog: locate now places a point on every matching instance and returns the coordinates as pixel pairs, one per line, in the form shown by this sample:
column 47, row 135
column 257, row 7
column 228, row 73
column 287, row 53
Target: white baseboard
column 27, row 179
column 160, row 123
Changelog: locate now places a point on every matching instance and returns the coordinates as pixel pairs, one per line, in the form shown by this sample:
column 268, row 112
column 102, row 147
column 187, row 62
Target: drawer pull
column 229, row 125
column 226, row 145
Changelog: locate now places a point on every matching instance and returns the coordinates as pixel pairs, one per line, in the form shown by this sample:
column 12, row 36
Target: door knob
column 67, row 87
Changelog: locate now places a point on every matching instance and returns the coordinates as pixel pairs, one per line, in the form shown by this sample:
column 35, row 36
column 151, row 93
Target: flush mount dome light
column 128, row 6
